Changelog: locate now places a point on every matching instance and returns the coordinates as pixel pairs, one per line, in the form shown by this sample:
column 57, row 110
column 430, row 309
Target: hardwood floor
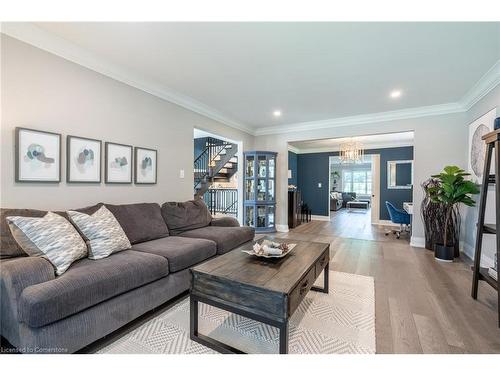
column 356, row 224
column 422, row 305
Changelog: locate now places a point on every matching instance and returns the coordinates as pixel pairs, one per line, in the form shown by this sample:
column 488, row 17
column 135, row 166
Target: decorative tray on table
column 270, row 249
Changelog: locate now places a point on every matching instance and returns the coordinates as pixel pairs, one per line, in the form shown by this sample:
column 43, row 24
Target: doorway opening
column 350, row 182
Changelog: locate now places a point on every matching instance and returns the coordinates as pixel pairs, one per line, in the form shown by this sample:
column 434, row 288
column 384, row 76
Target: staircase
column 217, row 163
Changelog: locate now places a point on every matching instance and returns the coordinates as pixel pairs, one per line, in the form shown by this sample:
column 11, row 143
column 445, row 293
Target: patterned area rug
column 340, row 322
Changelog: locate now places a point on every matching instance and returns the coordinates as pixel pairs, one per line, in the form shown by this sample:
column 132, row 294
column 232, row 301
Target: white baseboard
column 417, row 241
column 320, row 218
column 469, row 250
column 282, row 228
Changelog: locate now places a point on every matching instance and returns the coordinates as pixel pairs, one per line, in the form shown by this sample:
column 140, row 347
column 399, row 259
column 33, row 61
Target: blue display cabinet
column 260, row 190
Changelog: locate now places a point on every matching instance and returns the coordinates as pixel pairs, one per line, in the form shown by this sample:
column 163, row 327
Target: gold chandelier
column 351, row 152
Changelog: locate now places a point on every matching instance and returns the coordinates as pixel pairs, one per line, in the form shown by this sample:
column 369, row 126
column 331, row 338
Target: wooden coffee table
column 265, row 290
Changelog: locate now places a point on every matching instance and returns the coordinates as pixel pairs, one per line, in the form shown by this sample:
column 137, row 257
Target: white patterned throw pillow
column 104, row 234
column 51, row 237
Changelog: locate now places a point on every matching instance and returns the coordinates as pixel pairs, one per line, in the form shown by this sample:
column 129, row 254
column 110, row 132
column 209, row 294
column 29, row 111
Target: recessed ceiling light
column 277, row 113
column 395, row 94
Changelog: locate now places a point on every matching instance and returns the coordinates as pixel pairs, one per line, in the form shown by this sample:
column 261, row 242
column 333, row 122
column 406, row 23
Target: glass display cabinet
column 260, row 190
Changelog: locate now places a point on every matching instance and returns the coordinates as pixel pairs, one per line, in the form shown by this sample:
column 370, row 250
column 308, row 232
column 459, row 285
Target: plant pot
column 444, row 253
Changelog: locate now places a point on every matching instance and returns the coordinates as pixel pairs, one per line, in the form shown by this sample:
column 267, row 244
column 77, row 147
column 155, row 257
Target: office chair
column 400, row 217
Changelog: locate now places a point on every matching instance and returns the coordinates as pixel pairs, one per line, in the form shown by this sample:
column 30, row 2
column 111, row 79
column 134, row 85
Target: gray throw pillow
column 103, row 233
column 51, row 237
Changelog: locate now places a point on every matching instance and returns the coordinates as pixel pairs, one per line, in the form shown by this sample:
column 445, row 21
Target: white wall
column 486, row 104
column 439, row 141
column 43, row 91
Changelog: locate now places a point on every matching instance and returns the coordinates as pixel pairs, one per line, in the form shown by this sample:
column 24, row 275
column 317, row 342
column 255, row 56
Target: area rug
column 342, row 321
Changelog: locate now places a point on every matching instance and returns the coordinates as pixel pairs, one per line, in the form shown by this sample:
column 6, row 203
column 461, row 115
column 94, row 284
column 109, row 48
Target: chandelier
column 351, row 152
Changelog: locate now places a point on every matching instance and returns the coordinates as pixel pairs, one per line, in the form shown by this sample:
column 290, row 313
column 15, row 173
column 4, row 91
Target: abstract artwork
column 38, row 156
column 83, row 159
column 477, row 147
column 145, row 165
column 118, row 163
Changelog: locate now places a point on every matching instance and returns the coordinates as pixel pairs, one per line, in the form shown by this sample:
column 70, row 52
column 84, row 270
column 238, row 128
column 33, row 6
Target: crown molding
column 486, row 83
column 403, row 114
column 293, row 149
column 370, row 146
column 34, row 35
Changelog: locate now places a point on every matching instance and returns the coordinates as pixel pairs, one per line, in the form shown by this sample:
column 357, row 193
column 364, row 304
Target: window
column 357, row 181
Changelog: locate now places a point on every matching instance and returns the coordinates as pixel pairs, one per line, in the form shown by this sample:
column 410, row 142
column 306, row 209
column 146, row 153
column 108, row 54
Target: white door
column 375, row 203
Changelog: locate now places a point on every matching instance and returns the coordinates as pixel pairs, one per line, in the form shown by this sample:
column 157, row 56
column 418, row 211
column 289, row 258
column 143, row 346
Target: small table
column 357, row 204
column 265, row 290
column 408, row 207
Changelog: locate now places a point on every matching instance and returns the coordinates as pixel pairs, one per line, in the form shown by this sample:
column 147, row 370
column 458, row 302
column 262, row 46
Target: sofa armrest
column 226, row 221
column 15, row 275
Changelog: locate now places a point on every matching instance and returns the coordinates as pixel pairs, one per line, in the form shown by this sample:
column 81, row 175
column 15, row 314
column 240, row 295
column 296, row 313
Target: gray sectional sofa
column 42, row 312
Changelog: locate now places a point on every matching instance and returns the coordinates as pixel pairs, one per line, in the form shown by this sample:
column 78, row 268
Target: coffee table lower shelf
column 221, row 347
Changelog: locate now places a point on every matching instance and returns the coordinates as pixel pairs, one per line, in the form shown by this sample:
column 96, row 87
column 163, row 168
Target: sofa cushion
column 180, row 252
column 86, row 283
column 226, row 238
column 8, row 245
column 140, row 221
column 183, row 216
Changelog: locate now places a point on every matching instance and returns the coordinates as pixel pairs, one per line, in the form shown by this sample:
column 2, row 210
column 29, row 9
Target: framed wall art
column 83, row 162
column 118, row 163
column 477, row 147
column 38, row 156
column 146, row 166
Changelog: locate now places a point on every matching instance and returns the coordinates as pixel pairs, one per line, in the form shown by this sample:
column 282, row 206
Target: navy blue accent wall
column 395, row 196
column 199, row 146
column 314, row 168
column 292, row 165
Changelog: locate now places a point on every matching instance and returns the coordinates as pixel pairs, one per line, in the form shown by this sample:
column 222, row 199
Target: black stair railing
column 203, row 162
column 222, row 201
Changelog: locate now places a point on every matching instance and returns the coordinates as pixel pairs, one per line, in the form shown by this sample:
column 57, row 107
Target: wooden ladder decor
column 480, row 273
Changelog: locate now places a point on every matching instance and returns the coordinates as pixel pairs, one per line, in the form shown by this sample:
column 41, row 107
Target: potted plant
column 451, row 190
column 430, row 212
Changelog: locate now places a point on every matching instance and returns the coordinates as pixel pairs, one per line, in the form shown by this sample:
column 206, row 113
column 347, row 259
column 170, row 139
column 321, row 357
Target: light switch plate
column 181, row 173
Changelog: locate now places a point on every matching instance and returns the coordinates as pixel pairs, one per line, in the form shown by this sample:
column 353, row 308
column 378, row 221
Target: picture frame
column 477, row 147
column 37, row 156
column 83, row 160
column 118, row 161
column 146, row 166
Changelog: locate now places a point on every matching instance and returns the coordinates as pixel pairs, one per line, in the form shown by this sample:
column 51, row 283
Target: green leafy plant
column 452, row 189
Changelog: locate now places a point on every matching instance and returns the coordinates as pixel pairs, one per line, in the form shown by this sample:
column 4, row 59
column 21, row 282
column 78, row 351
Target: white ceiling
column 368, row 142
column 310, row 71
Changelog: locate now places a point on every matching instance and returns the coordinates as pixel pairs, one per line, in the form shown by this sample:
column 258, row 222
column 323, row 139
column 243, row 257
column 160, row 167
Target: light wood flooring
column 356, row 224
column 422, row 306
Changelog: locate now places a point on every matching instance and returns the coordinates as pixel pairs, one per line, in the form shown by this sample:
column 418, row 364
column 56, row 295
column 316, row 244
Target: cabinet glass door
column 270, row 190
column 250, row 166
column 261, row 189
column 249, row 190
column 249, row 216
column 270, row 216
column 261, row 216
column 262, row 165
column 271, row 166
